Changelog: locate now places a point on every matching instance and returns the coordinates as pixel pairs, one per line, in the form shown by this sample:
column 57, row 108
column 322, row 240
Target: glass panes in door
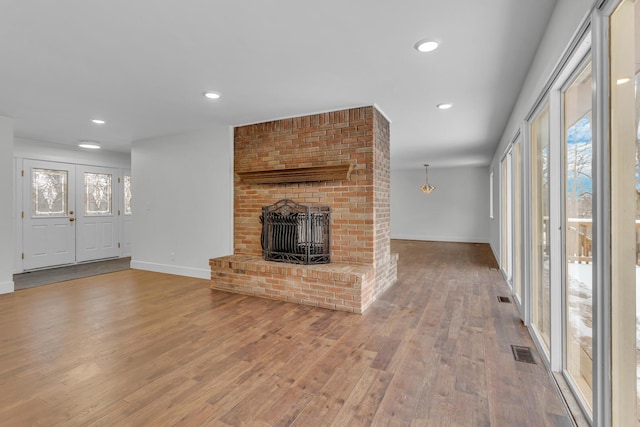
column 49, row 192
column 127, row 195
column 127, row 220
column 517, row 220
column 540, row 209
column 97, row 194
column 505, row 218
column 578, row 236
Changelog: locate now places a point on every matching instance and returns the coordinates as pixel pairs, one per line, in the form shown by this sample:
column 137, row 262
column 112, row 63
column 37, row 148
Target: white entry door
column 70, row 214
column 97, row 213
column 49, row 204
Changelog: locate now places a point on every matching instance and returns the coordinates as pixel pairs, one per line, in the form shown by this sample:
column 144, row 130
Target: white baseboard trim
column 172, row 269
column 7, row 287
column 439, row 238
column 495, row 254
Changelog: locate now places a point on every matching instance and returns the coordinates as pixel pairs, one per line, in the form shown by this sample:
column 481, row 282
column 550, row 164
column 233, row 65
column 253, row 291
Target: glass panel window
column 49, row 192
column 506, row 206
column 540, row 257
column 578, row 147
column 517, row 220
column 97, row 194
column 127, row 195
column 491, row 195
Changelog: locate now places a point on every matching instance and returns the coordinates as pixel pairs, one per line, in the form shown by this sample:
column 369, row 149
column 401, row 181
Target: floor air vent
column 523, row 354
column 493, row 269
column 504, row 299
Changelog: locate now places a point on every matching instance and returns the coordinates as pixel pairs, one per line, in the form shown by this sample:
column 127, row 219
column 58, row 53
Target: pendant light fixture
column 426, row 187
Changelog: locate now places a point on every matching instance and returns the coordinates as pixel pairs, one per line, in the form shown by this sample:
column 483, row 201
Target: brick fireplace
column 338, row 159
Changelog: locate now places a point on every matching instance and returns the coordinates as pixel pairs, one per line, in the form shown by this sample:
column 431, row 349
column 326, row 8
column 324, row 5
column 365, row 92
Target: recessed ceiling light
column 98, row 121
column 211, row 95
column 444, row 106
column 426, row 45
column 90, row 145
column 622, row 81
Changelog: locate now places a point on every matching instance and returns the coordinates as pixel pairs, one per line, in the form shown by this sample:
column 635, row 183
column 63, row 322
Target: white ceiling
column 142, row 66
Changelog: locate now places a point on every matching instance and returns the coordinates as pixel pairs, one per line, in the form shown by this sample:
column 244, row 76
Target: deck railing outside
column 580, row 240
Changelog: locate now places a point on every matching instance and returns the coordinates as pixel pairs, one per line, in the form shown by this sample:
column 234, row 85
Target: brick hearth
column 362, row 266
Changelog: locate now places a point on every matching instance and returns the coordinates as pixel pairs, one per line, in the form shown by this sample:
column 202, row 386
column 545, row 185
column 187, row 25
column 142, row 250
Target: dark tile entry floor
column 60, row 274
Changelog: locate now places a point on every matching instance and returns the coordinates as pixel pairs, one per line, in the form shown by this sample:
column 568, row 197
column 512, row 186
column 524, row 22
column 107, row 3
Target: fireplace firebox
column 295, row 233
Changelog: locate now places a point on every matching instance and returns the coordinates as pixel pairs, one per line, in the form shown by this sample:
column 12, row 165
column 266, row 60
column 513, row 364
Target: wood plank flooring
column 136, row 348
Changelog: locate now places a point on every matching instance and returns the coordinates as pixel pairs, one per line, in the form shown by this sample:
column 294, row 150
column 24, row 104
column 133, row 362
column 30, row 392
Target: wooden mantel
column 308, row 174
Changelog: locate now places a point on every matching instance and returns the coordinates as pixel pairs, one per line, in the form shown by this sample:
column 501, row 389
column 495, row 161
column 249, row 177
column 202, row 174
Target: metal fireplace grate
column 295, row 233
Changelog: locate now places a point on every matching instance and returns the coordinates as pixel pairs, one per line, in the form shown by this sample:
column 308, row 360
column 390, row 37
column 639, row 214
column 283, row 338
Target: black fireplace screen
column 295, row 233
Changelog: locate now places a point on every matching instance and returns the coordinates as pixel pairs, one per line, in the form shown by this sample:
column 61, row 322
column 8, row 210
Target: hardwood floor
column 136, row 348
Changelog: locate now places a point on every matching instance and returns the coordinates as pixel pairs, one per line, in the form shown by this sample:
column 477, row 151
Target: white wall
column 39, row 150
column 183, row 204
column 563, row 25
column 457, row 211
column 7, row 208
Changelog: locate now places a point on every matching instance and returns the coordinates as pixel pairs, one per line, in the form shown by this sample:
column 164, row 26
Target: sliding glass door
column 540, row 238
column 516, row 165
column 506, row 261
column 578, row 236
column 581, row 241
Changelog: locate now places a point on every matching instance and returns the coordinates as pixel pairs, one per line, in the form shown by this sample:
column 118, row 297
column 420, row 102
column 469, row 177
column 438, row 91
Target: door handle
column 70, row 212
column 72, row 219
